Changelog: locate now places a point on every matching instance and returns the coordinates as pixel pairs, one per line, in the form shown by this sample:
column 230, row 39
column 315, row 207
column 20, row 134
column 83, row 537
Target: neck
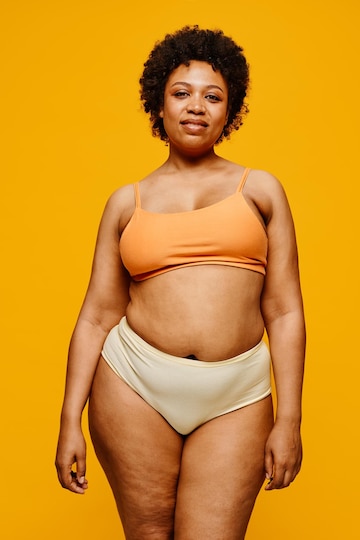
column 180, row 161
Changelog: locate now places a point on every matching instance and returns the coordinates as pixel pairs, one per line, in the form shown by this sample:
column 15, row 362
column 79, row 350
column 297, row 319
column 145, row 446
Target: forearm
column 287, row 346
column 84, row 352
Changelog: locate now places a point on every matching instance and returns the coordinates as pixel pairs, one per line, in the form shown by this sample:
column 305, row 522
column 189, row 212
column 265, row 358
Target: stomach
column 211, row 312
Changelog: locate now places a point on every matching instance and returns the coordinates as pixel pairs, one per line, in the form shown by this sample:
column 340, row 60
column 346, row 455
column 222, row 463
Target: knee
column 152, row 520
column 158, row 527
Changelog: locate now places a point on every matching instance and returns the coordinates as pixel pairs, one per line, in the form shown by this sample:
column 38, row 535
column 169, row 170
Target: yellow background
column 73, row 131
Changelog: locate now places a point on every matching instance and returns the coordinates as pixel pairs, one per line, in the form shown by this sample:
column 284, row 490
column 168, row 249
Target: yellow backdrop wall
column 73, row 131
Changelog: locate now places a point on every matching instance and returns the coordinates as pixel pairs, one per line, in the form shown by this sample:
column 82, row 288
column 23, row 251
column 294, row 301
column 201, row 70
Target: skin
column 202, row 485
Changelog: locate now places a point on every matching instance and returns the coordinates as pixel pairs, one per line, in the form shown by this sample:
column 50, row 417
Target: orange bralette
column 226, row 233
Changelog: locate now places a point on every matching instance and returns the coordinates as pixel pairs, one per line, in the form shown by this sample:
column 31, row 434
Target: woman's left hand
column 283, row 454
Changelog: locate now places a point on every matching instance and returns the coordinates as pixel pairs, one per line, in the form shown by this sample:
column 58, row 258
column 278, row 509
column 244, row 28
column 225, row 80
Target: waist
column 210, row 313
column 126, row 329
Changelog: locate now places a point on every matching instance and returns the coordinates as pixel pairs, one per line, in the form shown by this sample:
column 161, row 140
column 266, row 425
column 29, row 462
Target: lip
column 194, row 126
column 194, row 122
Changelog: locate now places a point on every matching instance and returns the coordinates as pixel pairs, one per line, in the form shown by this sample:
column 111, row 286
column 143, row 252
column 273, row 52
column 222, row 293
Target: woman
column 194, row 261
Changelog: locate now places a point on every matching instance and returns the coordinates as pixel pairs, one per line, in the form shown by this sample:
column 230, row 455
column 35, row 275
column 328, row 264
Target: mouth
column 194, row 122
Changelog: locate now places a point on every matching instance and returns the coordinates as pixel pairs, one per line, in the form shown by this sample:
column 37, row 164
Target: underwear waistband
column 125, row 329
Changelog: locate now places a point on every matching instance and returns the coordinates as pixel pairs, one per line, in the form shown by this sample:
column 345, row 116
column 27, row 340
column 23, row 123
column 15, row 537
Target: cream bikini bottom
column 187, row 392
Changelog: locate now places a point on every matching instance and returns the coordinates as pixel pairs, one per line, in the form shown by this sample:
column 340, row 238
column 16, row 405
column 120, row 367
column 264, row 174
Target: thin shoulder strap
column 243, row 179
column 137, row 195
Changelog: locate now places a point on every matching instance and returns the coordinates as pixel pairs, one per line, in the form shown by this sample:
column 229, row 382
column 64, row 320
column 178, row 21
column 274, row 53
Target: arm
column 105, row 303
column 282, row 310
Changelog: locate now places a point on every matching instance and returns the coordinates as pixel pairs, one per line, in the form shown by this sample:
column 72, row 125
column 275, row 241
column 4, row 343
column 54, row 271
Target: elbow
column 278, row 312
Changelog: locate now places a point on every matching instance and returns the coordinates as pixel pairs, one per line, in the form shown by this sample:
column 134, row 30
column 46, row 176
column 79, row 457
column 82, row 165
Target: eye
column 181, row 94
column 212, row 97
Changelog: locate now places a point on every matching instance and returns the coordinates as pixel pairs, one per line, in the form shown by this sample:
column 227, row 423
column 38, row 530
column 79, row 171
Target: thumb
column 269, row 465
column 80, row 469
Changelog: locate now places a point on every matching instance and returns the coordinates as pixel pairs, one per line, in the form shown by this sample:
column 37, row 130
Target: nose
column 195, row 105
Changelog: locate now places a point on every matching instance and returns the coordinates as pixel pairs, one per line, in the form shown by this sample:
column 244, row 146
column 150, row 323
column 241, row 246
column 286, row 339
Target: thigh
column 140, row 454
column 222, row 471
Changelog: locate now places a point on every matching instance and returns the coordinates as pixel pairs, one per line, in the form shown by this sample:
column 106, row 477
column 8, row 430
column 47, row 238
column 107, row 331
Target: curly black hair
column 192, row 43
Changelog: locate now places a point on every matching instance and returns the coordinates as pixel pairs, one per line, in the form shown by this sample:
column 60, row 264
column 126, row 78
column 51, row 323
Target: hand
column 71, row 449
column 283, row 454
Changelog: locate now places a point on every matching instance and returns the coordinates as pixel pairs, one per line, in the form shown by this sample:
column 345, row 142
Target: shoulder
column 121, row 197
column 264, row 181
column 120, row 206
column 122, row 201
column 266, row 191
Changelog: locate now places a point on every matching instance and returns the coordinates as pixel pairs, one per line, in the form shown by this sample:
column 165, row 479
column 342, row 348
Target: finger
column 282, row 479
column 75, row 486
column 64, row 475
column 269, row 486
column 288, row 478
column 277, row 479
column 269, row 466
column 288, row 474
column 68, row 479
column 291, row 474
column 81, row 471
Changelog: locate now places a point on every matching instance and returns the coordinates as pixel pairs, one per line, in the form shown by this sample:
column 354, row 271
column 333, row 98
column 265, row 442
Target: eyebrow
column 209, row 86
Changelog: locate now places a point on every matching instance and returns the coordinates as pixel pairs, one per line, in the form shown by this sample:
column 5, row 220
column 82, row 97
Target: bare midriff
column 211, row 311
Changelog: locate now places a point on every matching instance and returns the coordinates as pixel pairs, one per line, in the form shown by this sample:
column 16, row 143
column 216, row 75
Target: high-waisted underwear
column 187, row 392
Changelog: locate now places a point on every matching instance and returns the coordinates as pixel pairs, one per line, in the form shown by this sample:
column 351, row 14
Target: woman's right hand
column 71, row 449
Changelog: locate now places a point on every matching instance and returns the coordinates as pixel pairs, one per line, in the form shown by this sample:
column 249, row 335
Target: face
column 195, row 107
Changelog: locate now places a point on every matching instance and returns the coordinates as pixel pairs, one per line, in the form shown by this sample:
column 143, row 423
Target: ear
column 161, row 113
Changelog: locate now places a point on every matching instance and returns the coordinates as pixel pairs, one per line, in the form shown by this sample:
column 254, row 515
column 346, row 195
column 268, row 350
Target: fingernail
column 82, row 480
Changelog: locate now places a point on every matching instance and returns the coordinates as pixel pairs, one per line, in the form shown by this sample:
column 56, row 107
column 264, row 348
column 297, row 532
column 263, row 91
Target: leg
column 222, row 470
column 140, row 454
